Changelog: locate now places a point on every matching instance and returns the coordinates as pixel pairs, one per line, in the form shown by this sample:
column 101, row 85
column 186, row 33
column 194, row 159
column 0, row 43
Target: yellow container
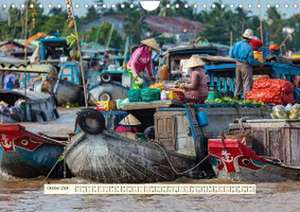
column 175, row 95
column 105, row 105
column 258, row 56
column 171, row 95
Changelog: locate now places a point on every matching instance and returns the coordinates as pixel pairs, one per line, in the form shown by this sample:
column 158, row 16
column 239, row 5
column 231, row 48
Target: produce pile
column 288, row 112
column 274, row 91
column 161, row 86
column 233, row 101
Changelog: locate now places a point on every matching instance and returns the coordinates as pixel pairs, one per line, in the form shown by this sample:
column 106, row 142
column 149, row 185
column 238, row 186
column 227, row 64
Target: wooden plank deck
column 147, row 105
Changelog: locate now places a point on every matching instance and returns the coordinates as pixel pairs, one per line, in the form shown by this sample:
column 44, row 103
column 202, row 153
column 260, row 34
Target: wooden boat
column 107, row 157
column 232, row 159
column 38, row 106
column 26, row 154
column 67, row 92
column 267, row 150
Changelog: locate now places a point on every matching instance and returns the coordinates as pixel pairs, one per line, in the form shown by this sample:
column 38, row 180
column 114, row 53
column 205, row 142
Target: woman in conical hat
column 128, row 124
column 197, row 89
column 141, row 60
column 130, row 120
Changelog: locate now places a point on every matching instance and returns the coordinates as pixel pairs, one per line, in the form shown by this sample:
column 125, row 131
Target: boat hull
column 109, row 159
column 67, row 92
column 232, row 159
column 26, row 164
column 27, row 155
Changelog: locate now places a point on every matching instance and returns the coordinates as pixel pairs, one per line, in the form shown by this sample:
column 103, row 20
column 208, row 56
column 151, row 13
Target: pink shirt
column 141, row 59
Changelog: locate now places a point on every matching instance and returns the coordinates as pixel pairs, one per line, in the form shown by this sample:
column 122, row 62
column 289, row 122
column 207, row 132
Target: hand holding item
column 182, row 85
column 138, row 80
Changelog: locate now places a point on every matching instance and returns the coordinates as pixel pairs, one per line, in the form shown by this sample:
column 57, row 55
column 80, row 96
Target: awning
column 30, row 68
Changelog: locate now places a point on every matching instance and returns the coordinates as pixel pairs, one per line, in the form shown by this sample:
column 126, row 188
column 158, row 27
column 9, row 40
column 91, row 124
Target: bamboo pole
column 260, row 23
column 25, row 36
column 69, row 4
column 109, row 36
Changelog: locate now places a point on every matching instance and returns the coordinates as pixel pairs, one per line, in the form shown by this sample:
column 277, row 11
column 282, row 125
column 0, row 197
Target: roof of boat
column 207, row 49
column 30, row 95
column 17, row 65
column 11, row 60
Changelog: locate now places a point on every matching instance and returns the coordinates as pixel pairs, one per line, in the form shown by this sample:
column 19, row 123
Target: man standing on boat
column 242, row 52
column 141, row 60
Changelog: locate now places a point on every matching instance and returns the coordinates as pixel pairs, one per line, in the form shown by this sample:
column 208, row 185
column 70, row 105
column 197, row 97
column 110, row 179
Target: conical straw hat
column 130, row 120
column 195, row 61
column 248, row 34
column 151, row 42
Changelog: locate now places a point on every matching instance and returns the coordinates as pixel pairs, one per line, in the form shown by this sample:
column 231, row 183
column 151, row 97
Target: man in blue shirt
column 242, row 52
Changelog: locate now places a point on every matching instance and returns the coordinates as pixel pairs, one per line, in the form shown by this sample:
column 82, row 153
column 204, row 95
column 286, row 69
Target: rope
column 172, row 166
column 60, row 158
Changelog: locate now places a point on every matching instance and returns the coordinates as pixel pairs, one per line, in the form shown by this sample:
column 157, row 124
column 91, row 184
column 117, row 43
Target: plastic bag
column 279, row 112
column 274, row 91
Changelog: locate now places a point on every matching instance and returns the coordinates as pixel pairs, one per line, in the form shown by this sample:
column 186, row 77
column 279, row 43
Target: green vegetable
column 233, row 101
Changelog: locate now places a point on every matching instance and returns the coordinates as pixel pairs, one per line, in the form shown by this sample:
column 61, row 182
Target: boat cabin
column 178, row 127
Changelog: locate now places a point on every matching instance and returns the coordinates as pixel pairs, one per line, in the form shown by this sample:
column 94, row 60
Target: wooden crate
column 278, row 139
column 173, row 132
column 165, row 131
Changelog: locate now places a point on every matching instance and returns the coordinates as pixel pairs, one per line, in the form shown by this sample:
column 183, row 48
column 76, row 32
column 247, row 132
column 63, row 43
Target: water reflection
column 27, row 195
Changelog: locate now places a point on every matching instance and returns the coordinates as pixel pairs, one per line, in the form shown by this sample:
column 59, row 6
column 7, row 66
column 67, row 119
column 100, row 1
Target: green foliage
column 54, row 23
column 220, row 24
column 72, row 40
column 102, row 34
column 275, row 25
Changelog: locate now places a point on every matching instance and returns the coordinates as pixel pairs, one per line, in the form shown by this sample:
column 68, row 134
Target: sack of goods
column 150, row 94
column 288, row 112
column 134, row 95
column 275, row 91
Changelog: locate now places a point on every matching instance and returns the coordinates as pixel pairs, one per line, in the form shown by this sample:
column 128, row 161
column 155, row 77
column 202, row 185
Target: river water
column 27, row 195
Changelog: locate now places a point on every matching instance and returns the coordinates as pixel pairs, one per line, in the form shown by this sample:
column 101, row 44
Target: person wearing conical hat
column 128, row 126
column 197, row 89
column 141, row 60
column 242, row 52
column 130, row 120
column 276, row 56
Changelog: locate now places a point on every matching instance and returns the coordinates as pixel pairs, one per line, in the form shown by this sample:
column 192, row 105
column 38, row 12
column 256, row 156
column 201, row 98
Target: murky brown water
column 27, row 195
